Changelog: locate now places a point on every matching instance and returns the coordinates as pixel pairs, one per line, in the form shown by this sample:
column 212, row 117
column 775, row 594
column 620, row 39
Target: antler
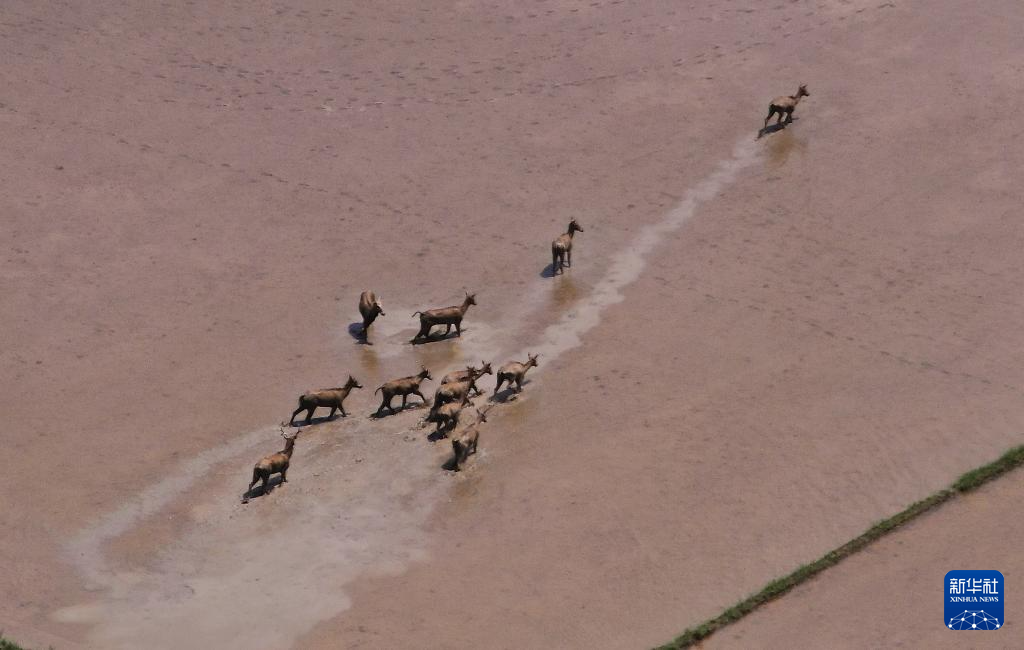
column 284, row 434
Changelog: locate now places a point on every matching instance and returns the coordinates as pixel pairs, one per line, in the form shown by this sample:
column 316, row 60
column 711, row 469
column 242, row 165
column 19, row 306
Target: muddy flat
column 847, row 608
column 763, row 345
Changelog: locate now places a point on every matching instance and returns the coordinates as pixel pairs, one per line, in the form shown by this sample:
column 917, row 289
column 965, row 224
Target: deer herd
column 456, row 390
column 451, row 398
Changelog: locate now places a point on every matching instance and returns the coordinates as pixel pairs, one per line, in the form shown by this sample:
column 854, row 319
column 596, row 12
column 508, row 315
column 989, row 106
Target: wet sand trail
column 318, row 538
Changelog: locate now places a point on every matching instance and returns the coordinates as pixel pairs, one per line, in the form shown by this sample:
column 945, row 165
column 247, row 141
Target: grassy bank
column 7, row 644
column 970, row 481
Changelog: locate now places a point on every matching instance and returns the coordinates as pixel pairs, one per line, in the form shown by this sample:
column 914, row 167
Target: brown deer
column 462, row 375
column 447, row 417
column 447, row 316
column 784, row 106
column 465, row 443
column 514, row 372
column 332, row 398
column 369, row 307
column 405, row 386
column 456, row 391
column 273, row 464
column 561, row 248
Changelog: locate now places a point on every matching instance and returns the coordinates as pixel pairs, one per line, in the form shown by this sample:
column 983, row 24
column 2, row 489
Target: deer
column 447, row 316
column 561, row 248
column 784, row 106
column 273, row 464
column 462, row 375
column 465, row 443
column 332, row 398
column 514, row 372
column 405, row 386
column 456, row 391
column 447, row 416
column 369, row 307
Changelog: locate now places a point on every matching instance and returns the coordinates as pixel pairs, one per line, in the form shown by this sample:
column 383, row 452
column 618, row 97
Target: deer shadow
column 355, row 330
column 451, row 465
column 435, row 338
column 549, row 271
column 317, row 419
column 380, row 414
column 507, row 394
column 440, row 434
column 774, row 128
column 258, row 491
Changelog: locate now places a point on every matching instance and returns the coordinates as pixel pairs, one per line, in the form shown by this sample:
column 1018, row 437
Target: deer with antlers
column 273, row 464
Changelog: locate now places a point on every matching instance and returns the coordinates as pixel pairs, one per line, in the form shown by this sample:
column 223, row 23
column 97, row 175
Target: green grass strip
column 6, row 644
column 970, row 481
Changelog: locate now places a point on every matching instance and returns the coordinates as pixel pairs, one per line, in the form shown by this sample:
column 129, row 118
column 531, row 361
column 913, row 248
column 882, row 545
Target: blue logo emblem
column 974, row 600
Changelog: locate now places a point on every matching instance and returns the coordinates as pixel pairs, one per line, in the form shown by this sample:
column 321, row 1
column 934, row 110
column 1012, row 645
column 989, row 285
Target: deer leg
column 789, row 116
column 284, row 475
column 568, row 256
column 771, row 112
column 519, row 384
column 266, row 480
column 447, row 328
column 331, row 415
column 416, row 392
column 297, row 411
column 405, row 398
column 309, row 414
column 458, row 328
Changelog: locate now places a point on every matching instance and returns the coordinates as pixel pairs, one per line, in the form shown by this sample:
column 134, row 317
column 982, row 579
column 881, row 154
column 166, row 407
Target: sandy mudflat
column 764, row 345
